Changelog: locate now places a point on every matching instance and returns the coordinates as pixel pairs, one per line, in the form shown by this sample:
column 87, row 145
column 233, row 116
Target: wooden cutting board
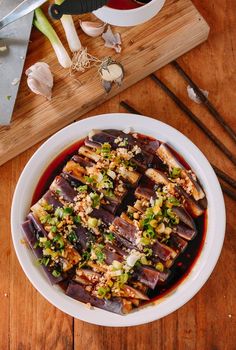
column 175, row 30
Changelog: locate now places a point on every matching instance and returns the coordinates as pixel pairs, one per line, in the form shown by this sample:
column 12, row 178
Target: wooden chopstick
column 194, row 118
column 129, row 108
column 228, row 191
column 224, row 176
column 205, row 100
column 219, row 172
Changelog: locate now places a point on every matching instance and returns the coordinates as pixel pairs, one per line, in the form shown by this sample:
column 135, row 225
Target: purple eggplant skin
column 185, row 232
column 143, row 161
column 106, row 217
column 64, row 189
column 82, row 161
column 145, row 144
column 123, row 242
column 109, row 206
column 161, row 251
column 177, row 243
column 91, row 144
column 112, row 207
column 125, row 229
column 193, row 207
column 51, row 199
column 147, row 275
column 203, row 202
column 85, row 238
column 78, row 292
column 110, row 256
column 38, row 227
column 118, row 133
column 115, row 248
column 101, row 137
column 145, row 192
column 149, row 145
column 30, row 235
column 184, row 216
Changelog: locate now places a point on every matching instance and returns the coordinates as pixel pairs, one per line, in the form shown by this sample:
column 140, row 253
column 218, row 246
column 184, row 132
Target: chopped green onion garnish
column 92, row 222
column 83, row 188
column 59, row 213
column 175, row 173
column 53, row 229
column 67, row 211
column 72, row 237
column 56, row 273
column 77, row 219
column 95, row 199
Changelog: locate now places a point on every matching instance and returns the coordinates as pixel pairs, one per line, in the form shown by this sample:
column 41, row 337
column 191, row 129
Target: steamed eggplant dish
column 120, row 224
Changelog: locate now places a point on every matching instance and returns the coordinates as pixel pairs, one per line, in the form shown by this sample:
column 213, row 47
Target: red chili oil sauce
column 123, row 4
column 183, row 264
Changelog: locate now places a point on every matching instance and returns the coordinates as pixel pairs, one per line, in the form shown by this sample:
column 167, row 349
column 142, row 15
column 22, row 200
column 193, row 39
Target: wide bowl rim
column 130, row 17
column 202, row 268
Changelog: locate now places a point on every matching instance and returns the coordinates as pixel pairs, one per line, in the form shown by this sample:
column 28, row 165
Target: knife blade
column 24, row 8
column 16, row 38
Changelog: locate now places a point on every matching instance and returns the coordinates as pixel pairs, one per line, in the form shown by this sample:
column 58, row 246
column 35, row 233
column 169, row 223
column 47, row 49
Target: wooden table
column 28, row 321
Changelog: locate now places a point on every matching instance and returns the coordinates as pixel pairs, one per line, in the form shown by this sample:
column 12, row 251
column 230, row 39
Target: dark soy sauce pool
column 183, row 264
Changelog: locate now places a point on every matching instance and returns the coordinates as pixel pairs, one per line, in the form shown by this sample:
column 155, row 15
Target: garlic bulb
column 40, row 79
column 93, row 29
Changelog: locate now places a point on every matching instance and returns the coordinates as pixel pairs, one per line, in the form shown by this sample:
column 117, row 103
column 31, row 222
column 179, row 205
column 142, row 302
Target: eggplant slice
column 117, row 305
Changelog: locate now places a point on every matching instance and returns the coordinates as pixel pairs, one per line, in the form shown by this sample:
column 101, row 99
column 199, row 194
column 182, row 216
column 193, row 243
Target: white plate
column 215, row 227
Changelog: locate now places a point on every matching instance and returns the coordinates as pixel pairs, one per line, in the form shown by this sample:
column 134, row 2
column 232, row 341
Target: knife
column 14, row 41
column 70, row 7
column 21, row 10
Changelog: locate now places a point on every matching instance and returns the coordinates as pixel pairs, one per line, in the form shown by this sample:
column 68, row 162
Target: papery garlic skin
column 193, row 96
column 112, row 40
column 40, row 79
column 93, row 29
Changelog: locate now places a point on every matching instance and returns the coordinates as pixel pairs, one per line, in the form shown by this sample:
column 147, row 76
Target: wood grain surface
column 207, row 322
column 145, row 48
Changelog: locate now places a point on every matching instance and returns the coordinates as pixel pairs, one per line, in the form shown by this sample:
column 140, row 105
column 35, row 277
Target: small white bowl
column 215, row 225
column 129, row 18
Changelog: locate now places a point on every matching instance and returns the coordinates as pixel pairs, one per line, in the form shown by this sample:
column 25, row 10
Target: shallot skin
column 40, row 79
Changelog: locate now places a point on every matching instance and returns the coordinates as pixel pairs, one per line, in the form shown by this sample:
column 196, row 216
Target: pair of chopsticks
column 221, row 175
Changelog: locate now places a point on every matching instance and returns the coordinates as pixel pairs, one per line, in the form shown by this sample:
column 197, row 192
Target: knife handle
column 71, row 7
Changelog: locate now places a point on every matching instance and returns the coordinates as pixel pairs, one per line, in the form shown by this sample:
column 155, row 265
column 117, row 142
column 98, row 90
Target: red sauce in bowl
column 123, row 4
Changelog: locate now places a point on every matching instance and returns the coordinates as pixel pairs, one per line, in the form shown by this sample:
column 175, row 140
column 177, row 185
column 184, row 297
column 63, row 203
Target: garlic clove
column 40, row 79
column 93, row 29
column 39, row 88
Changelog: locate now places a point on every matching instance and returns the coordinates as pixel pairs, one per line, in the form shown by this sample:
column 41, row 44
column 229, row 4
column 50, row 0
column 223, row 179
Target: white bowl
column 129, row 18
column 215, row 226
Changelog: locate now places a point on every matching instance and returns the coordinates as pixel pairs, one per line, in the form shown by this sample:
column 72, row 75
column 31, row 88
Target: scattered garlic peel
column 93, row 29
column 15, row 81
column 193, row 96
column 112, row 40
column 40, row 79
